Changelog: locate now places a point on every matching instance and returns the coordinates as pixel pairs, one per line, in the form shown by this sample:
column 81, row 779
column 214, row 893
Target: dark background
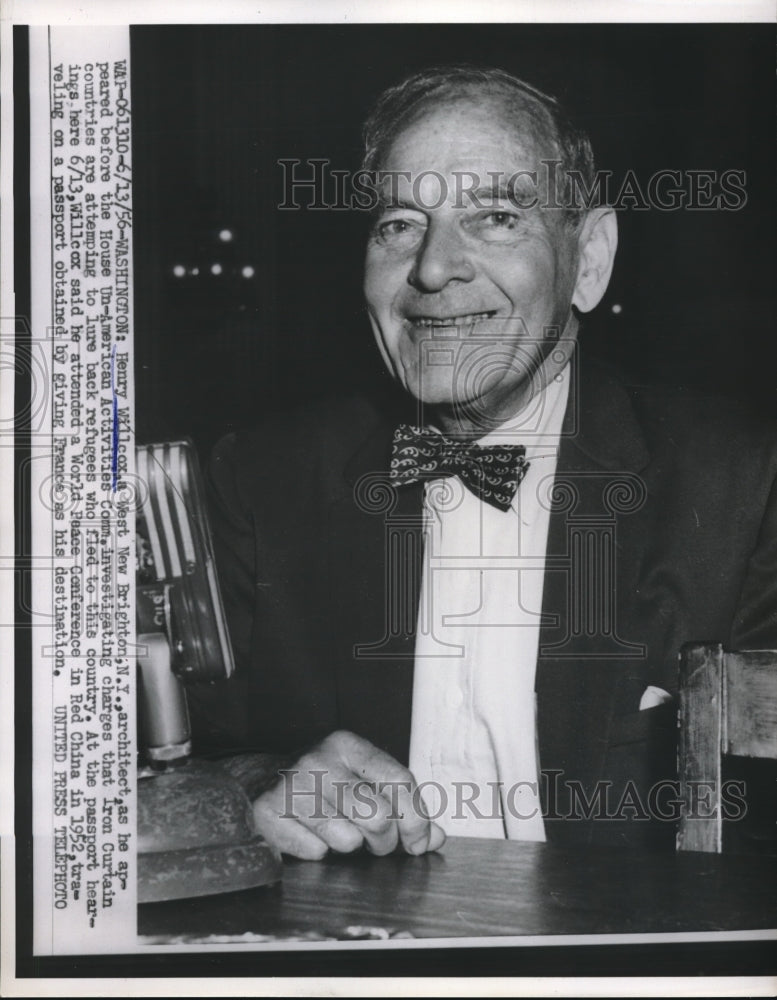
column 215, row 107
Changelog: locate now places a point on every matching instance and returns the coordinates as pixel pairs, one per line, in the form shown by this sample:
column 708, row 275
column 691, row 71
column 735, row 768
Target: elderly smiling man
column 465, row 618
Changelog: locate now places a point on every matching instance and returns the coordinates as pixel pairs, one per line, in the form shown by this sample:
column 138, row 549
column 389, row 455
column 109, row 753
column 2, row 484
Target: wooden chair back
column 728, row 705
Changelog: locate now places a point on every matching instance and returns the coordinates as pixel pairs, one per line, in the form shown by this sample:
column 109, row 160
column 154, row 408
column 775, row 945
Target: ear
column 597, row 244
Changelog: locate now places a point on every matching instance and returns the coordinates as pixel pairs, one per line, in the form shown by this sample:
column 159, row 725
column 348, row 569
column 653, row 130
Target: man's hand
column 342, row 794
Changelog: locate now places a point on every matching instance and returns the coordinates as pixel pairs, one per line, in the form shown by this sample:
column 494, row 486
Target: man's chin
column 438, row 401
column 430, row 392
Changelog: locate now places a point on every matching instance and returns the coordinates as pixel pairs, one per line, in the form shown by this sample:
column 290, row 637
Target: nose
column 441, row 258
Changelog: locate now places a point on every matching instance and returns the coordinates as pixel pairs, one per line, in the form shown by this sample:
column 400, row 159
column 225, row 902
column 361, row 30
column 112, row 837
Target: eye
column 400, row 231
column 495, row 224
column 397, row 227
column 501, row 220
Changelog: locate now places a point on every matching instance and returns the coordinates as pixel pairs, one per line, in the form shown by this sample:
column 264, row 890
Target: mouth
column 440, row 322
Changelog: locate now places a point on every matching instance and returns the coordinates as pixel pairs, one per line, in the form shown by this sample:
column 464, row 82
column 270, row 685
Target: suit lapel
column 597, row 489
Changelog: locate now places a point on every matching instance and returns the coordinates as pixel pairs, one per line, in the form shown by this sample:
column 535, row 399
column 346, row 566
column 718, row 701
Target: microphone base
column 197, row 837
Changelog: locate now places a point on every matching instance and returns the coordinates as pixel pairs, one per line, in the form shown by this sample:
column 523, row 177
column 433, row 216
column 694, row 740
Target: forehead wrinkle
column 525, row 121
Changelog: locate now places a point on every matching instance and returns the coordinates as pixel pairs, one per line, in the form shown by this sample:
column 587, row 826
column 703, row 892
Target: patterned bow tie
column 493, row 473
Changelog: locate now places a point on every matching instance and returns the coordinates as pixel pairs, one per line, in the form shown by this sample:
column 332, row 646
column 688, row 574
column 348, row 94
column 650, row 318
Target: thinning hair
column 405, row 102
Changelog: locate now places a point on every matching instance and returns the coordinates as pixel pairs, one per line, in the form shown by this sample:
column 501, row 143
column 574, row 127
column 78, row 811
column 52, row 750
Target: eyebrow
column 386, row 201
column 497, row 190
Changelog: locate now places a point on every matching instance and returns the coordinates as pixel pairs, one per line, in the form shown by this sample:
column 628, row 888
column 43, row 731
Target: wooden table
column 477, row 888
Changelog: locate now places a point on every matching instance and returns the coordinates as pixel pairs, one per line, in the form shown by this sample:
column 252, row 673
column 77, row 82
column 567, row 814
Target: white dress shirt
column 473, row 731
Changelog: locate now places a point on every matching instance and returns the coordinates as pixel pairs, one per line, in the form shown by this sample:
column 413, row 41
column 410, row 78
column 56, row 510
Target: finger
column 361, row 802
column 285, row 833
column 323, row 786
column 432, row 841
column 350, row 811
column 313, row 793
column 337, row 832
column 394, row 782
column 436, row 837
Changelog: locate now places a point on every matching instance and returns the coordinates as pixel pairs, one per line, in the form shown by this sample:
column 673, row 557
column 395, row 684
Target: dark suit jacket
column 664, row 531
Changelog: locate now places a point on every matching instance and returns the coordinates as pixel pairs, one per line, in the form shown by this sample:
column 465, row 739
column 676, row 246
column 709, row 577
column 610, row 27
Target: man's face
column 464, row 293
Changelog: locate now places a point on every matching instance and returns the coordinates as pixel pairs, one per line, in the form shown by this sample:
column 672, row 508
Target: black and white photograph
column 394, row 497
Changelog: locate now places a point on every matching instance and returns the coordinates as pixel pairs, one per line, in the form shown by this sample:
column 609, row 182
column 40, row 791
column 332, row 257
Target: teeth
column 430, row 321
